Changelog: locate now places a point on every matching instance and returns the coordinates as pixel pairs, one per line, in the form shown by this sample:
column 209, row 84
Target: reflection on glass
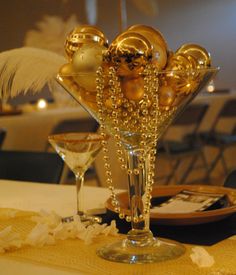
column 78, row 151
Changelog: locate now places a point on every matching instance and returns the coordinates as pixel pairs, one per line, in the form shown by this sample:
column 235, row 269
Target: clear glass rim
column 189, row 71
column 62, row 137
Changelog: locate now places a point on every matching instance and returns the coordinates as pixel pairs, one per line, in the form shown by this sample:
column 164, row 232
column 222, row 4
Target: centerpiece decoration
column 134, row 87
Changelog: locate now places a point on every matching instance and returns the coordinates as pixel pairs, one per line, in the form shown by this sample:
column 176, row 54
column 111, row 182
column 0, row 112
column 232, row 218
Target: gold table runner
column 74, row 255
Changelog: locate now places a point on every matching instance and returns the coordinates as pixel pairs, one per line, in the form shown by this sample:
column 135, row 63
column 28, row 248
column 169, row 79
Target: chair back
column 230, row 180
column 227, row 111
column 192, row 115
column 76, row 125
column 3, row 133
column 41, row 167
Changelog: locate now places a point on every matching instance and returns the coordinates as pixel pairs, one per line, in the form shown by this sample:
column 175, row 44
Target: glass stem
column 79, row 193
column 140, row 233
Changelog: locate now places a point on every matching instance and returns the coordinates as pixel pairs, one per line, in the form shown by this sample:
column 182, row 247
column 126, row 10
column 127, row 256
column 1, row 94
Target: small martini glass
column 78, row 151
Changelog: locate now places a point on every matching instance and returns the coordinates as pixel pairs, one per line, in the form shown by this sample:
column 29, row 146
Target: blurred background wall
column 211, row 23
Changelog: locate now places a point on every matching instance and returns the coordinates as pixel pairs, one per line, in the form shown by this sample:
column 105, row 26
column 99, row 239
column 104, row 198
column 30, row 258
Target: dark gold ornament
column 129, row 53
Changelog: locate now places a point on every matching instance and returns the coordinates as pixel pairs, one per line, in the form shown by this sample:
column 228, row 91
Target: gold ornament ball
column 166, row 96
column 129, row 53
column 66, row 75
column 157, row 41
column 88, row 58
column 133, row 88
column 147, row 29
column 85, row 63
column 81, row 35
column 66, row 70
column 198, row 52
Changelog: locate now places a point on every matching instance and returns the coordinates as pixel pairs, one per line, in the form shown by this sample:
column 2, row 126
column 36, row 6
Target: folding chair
column 76, row 125
column 2, row 136
column 221, row 140
column 230, row 180
column 189, row 147
column 41, row 167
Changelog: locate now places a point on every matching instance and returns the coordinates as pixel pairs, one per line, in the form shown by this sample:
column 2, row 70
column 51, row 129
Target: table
column 34, row 196
column 29, row 131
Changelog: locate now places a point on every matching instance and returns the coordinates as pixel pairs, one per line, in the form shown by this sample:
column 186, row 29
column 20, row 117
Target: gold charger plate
column 184, row 218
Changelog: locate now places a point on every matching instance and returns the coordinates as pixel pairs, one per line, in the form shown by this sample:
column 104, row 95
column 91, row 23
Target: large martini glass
column 78, row 151
column 137, row 125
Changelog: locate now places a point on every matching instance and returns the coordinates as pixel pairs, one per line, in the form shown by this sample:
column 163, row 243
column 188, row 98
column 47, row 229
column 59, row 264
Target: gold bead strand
column 101, row 115
column 152, row 92
column 115, row 93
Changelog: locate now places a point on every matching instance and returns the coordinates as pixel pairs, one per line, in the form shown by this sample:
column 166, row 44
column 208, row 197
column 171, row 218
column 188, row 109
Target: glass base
column 159, row 250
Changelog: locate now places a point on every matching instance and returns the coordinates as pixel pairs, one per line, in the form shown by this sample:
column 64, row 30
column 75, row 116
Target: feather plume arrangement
column 50, row 33
column 27, row 69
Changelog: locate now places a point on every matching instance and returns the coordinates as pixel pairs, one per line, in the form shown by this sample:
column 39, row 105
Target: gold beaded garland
column 143, row 117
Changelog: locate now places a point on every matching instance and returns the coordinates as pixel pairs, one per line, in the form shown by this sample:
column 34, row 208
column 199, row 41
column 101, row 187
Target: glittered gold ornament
column 82, row 35
column 158, row 42
column 129, row 53
column 198, row 52
column 133, row 88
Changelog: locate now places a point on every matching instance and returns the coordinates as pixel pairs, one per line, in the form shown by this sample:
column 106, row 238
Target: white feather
column 50, row 33
column 27, row 69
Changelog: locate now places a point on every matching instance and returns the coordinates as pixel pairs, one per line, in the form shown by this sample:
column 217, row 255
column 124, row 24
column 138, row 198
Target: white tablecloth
column 30, row 130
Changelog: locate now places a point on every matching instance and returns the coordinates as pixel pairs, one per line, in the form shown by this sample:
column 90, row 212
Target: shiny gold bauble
column 158, row 42
column 82, row 35
column 133, row 89
column 198, row 52
column 147, row 29
column 166, row 96
column 129, row 53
